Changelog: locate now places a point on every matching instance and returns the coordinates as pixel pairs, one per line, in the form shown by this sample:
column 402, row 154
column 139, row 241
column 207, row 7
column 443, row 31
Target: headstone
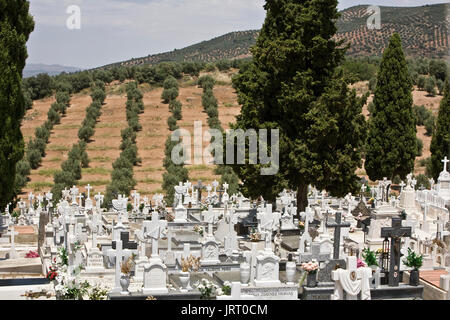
column 396, row 232
column 352, row 281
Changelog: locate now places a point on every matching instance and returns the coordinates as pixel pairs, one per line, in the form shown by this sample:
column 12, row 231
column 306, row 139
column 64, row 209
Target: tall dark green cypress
column 392, row 144
column 294, row 84
column 15, row 27
column 440, row 144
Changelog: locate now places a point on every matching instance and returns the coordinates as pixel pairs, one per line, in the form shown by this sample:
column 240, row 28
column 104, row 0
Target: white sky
column 116, row 30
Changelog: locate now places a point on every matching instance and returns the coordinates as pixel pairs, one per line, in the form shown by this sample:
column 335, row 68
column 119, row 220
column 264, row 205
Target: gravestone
column 396, row 232
column 352, row 281
column 155, row 272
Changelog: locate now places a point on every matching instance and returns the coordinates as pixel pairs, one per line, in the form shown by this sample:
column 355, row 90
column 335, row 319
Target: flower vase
column 245, row 273
column 125, row 283
column 291, row 268
column 414, row 278
column 185, row 278
column 311, row 279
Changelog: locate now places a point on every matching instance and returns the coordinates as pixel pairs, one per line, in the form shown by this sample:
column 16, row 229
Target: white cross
column 445, row 161
column 80, row 196
column 118, row 254
column 225, row 186
column 13, row 253
column 215, row 184
column 88, row 188
column 99, row 200
column 210, row 217
column 402, row 185
column 154, row 229
column 74, row 192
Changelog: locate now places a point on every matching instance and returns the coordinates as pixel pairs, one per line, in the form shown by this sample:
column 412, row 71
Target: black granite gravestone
column 396, row 232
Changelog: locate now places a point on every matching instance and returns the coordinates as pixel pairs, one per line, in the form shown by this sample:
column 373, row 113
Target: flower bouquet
column 32, row 254
column 310, row 267
column 199, row 229
column 190, row 264
column 207, row 289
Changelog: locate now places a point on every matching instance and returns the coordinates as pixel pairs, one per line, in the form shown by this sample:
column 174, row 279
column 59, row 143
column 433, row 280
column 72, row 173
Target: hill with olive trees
column 423, row 31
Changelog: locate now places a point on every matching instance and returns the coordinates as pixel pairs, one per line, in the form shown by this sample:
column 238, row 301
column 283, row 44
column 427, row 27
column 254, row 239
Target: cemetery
column 198, row 249
column 322, row 173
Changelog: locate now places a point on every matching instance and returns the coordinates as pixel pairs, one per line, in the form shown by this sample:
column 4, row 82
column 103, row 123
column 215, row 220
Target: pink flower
column 360, row 264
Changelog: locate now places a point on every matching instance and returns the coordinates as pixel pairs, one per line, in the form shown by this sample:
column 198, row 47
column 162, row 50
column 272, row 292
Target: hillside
column 32, row 69
column 105, row 145
column 423, row 30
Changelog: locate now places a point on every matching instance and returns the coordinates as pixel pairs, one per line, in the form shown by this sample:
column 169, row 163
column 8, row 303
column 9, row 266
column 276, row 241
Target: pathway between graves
column 432, row 276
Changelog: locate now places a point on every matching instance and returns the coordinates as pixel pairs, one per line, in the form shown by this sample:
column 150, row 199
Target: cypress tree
column 15, row 27
column 391, row 144
column 440, row 143
column 294, row 84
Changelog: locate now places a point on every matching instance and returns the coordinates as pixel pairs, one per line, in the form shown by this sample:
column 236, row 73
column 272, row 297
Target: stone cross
column 74, row 192
column 439, row 225
column 98, row 200
column 88, row 188
column 314, row 254
column 80, row 199
column 402, row 185
column 396, row 232
column 118, row 254
column 199, row 188
column 12, row 252
column 155, row 229
column 136, row 198
column 306, row 237
column 30, row 199
column 445, row 161
column 431, row 183
column 40, row 199
column 210, row 217
column 337, row 233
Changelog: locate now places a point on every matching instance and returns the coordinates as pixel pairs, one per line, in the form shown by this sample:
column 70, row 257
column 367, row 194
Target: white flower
column 219, row 292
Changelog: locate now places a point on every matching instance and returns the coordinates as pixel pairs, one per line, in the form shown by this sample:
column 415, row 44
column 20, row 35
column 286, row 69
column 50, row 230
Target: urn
column 125, row 283
column 291, row 268
column 245, row 273
column 185, row 278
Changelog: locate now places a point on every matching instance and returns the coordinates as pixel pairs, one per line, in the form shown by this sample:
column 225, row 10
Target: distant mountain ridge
column 424, row 32
column 32, row 69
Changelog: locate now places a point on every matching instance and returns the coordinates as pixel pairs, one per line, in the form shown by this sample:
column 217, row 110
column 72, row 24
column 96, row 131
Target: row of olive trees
column 174, row 172
column 78, row 158
column 210, row 106
column 35, row 149
column 122, row 180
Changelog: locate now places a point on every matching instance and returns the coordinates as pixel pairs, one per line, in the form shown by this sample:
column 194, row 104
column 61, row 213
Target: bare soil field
column 104, row 148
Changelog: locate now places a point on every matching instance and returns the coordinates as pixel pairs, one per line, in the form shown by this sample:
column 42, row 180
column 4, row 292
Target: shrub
column 169, row 94
column 53, row 116
column 85, row 133
column 34, row 158
column 429, row 125
column 170, row 82
column 42, row 133
column 172, row 122
column 419, row 147
column 430, row 85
